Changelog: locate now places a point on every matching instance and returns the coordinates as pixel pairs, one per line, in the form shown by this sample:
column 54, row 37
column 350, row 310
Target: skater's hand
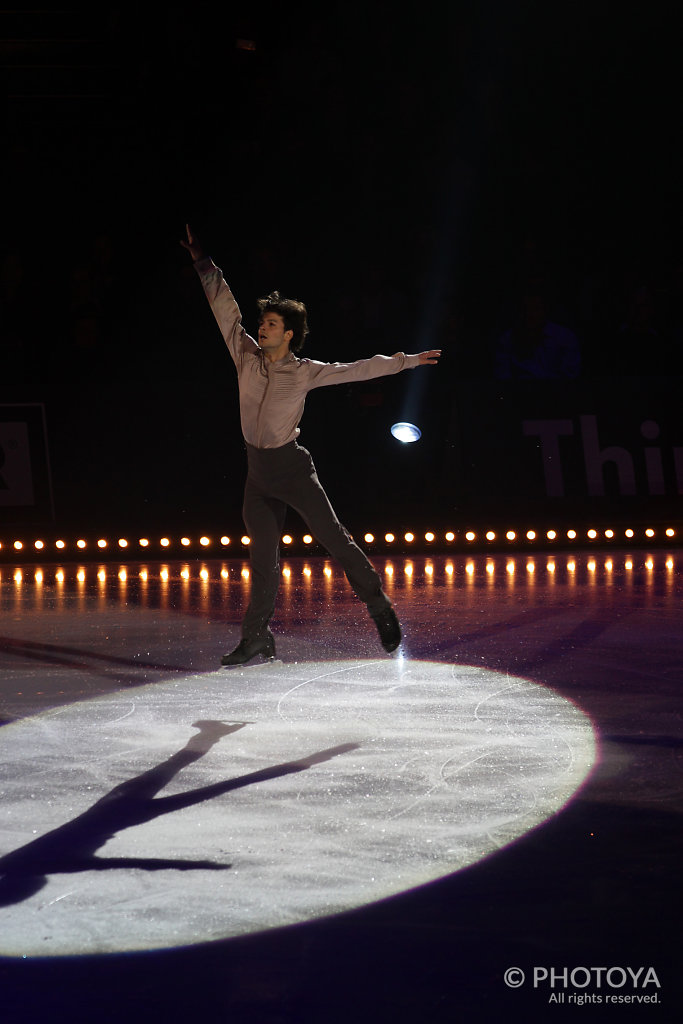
column 193, row 245
column 429, row 358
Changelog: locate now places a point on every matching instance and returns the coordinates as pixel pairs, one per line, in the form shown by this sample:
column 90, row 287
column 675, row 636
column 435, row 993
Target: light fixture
column 592, row 534
column 406, row 433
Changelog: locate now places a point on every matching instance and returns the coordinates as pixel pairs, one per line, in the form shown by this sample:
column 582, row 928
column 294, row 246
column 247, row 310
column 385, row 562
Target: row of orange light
column 123, row 543
column 389, row 538
column 408, row 570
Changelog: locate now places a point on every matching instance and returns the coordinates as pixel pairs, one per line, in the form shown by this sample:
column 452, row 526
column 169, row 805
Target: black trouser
column 278, row 477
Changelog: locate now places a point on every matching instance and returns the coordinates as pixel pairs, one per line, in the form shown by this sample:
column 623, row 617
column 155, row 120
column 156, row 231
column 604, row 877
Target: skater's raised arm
column 222, row 301
column 193, row 245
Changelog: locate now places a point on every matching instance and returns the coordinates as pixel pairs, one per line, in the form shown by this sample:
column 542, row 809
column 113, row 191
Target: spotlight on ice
column 406, row 432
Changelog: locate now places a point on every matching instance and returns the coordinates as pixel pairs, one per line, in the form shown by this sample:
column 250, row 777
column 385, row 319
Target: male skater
column 273, row 384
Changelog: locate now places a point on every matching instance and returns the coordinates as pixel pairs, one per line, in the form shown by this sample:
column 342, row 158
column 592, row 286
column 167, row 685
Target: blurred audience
column 535, row 347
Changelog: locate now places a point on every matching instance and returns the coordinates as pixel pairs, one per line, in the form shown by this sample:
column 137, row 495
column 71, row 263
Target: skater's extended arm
column 322, row 374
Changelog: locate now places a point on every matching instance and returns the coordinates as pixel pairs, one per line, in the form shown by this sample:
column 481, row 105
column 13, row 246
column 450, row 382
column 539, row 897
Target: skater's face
column 272, row 337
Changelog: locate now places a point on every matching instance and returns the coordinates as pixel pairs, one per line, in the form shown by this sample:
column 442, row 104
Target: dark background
column 409, row 175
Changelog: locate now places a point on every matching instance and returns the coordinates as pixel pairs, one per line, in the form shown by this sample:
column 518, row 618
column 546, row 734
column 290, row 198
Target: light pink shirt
column 272, row 395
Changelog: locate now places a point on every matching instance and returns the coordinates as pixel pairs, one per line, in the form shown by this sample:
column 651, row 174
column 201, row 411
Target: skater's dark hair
column 293, row 314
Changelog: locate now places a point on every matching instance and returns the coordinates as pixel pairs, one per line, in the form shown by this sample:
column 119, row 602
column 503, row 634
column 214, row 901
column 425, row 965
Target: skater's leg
column 263, row 518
